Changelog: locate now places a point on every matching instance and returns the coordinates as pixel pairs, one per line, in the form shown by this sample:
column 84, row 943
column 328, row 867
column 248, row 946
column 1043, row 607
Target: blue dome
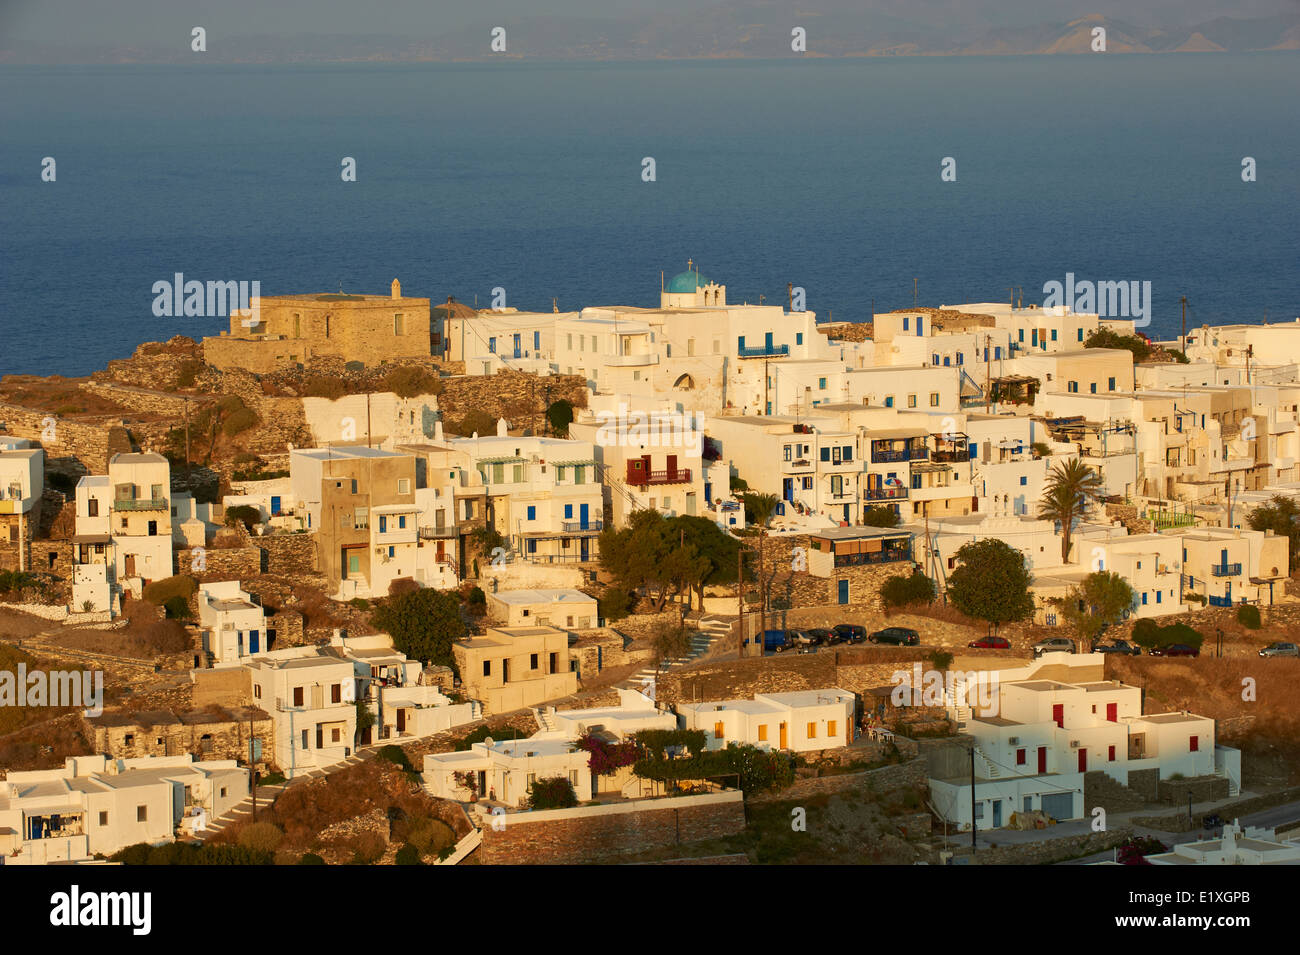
column 687, row 282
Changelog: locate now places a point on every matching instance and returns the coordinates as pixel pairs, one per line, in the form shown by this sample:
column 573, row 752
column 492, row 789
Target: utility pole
column 187, row 442
column 367, row 419
column 252, row 768
column 913, row 292
column 1182, row 335
column 972, row 798
column 789, row 295
column 988, row 375
column 740, row 599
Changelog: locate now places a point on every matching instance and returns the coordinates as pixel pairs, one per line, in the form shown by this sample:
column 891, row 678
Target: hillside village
column 387, row 579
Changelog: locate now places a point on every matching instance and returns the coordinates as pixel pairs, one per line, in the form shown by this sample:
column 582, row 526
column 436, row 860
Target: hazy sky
column 150, row 22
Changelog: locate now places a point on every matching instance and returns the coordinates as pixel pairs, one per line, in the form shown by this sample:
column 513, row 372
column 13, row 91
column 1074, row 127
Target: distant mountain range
column 754, row 29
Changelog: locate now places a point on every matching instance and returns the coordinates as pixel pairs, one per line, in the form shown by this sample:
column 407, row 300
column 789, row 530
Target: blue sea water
column 527, row 176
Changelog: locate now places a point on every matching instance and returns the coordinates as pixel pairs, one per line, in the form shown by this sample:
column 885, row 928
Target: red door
column 1112, row 712
column 1042, row 759
column 1058, row 714
column 1083, row 760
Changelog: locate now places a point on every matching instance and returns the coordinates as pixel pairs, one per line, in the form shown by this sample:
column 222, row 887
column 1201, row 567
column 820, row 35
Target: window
column 812, row 730
column 934, row 399
column 1073, row 387
column 92, row 509
column 336, row 693
column 889, row 401
column 305, row 744
column 537, row 340
column 1053, row 334
column 1080, row 334
column 103, row 819
column 934, row 358
column 1022, row 334
column 1110, row 384
column 401, row 521
column 297, row 696
column 399, row 324
column 257, row 691
column 821, row 384
column 1020, row 757
column 786, row 453
column 141, row 813
column 717, row 730
column 532, row 661
column 383, row 524
column 532, row 512
column 403, row 485
column 911, row 401
column 1194, row 744
column 830, row 728
column 1110, row 753
column 798, row 338
column 1024, row 480
column 487, row 667
column 762, row 732
column 1093, row 387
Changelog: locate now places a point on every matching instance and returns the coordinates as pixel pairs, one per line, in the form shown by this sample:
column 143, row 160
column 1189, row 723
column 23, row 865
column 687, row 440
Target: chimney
column 503, row 429
column 437, row 430
column 397, row 289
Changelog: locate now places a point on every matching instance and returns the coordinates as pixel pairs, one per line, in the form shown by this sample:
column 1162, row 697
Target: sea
column 528, row 184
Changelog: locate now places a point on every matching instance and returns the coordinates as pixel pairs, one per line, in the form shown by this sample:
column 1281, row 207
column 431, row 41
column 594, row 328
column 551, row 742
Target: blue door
column 583, row 516
column 583, row 547
column 767, row 343
column 275, row 505
column 253, row 643
column 517, row 351
column 787, row 489
column 843, row 586
column 997, row 814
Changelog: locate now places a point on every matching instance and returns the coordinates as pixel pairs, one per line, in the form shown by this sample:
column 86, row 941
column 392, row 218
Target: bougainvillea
column 607, row 758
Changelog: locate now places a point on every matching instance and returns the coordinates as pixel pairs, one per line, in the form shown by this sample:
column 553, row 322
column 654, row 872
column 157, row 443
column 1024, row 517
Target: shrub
column 367, row 848
column 244, row 514
column 395, row 755
column 475, row 422
column 941, row 659
column 323, row 386
column 430, row 836
column 260, row 837
column 560, row 416
column 898, row 591
column 178, row 608
column 361, row 603
column 311, row 858
column 408, row 855
column 1248, row 616
column 615, row 603
column 160, row 591
column 402, row 585
column 410, row 381
column 165, row 636
column 553, row 793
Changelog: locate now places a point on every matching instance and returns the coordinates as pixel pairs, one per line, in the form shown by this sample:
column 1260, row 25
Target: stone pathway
column 710, row 630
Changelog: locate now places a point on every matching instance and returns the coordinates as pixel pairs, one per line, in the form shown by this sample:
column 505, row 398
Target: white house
column 233, row 625
column 800, row 721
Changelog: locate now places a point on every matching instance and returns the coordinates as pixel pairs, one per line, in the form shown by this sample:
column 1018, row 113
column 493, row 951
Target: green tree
column 1095, row 604
column 898, row 591
column 991, row 582
column 1106, row 338
column 560, row 416
column 881, row 515
column 759, row 509
column 1281, row 515
column 1071, row 487
column 423, row 624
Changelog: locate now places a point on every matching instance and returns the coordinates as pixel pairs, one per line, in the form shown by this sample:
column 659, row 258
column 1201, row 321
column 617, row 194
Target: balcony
column 571, row 527
column 763, row 351
column 886, row 556
column 438, row 533
column 677, row 476
column 907, row 454
column 1225, row 570
column 631, row 361
column 140, row 504
column 951, row 457
column 884, row 494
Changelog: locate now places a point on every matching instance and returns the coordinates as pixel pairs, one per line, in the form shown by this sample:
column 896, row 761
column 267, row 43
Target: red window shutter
column 1196, row 744
column 1112, row 754
column 1020, row 757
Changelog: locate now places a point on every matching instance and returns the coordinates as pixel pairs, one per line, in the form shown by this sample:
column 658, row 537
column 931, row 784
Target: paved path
column 710, row 630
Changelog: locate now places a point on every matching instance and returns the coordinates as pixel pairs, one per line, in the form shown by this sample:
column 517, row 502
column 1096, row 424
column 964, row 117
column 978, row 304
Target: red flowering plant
column 607, row 758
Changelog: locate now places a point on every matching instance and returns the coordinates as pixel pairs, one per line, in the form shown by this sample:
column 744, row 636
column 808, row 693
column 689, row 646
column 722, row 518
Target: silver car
column 1280, row 650
column 1052, row 645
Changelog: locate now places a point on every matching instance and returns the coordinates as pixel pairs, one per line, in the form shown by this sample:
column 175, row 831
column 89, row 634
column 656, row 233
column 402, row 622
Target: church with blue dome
column 689, row 289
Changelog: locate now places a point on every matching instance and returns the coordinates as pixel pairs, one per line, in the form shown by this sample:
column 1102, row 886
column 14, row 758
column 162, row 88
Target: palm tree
column 762, row 506
column 1071, row 487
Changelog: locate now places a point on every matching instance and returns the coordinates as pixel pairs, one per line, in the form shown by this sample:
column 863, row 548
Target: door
column 997, row 814
column 1058, row 714
column 1083, row 760
column 767, row 343
column 842, row 586
column 1059, row 805
column 584, row 549
column 253, row 641
column 275, row 504
column 583, row 514
column 401, row 720
column 1112, row 712
column 672, row 466
column 787, row 489
column 1029, row 804
column 1042, row 759
column 784, row 737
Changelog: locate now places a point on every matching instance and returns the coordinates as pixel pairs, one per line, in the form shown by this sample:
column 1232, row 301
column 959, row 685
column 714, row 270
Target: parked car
column 1118, row 646
column 821, row 637
column 899, row 636
column 799, row 638
column 775, row 641
column 1053, row 645
column 990, row 643
column 1175, row 650
column 1280, row 650
column 849, row 632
